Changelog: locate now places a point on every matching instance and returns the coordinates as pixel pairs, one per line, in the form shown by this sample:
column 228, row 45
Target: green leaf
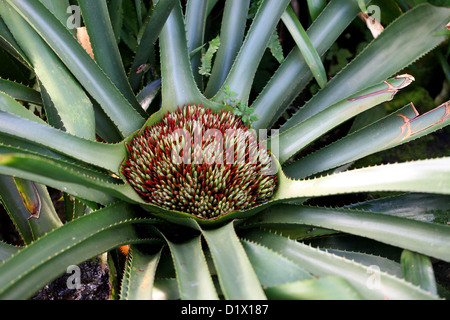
column 74, row 207
column 129, row 32
column 427, row 238
column 106, row 52
column 29, row 206
column 426, row 176
column 139, row 275
column 370, row 259
column 20, row 92
column 398, row 128
column 105, row 128
column 387, row 54
column 138, row 5
column 275, row 47
column 206, row 59
column 236, row 275
column 242, row 73
column 368, row 282
column 362, row 6
column 11, row 46
column 193, row 277
column 7, row 250
column 108, row 156
column 159, row 14
column 58, row 8
column 267, row 265
column 14, row 206
column 73, row 107
column 293, row 74
column 315, row 7
column 307, row 49
column 43, row 260
column 195, row 20
column 299, row 232
column 116, row 16
column 88, row 73
column 299, row 136
column 420, row 125
column 146, row 95
column 43, row 217
column 178, row 84
column 78, row 181
column 8, row 104
column 418, row 206
column 417, row 269
column 324, row 288
column 231, row 35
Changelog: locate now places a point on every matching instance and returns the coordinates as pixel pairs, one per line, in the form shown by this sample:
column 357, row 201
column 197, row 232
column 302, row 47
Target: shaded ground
column 94, row 285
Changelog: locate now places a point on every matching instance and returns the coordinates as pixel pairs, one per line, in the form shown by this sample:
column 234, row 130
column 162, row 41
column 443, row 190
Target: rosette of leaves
column 97, row 106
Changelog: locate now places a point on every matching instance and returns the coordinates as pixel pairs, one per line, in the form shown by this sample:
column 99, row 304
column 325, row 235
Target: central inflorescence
column 200, row 162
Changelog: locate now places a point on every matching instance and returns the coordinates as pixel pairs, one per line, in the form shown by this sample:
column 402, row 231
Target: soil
column 94, row 285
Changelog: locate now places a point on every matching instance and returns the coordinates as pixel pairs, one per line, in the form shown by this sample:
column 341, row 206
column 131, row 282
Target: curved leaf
column 236, row 275
column 418, row 206
column 159, row 14
column 73, row 108
column 11, row 46
column 193, row 277
column 108, row 156
column 106, row 52
column 310, row 54
column 78, row 61
column 267, row 265
column 195, row 20
column 8, row 104
column 178, row 84
column 427, row 238
column 43, row 217
column 293, row 140
column 428, row 176
column 400, row 127
column 324, row 288
column 14, row 206
column 76, row 180
column 370, row 283
column 139, row 275
column 148, row 93
column 20, row 92
column 240, row 77
column 293, row 74
column 7, row 250
column 231, row 36
column 40, row 262
column 387, row 54
column 417, row 269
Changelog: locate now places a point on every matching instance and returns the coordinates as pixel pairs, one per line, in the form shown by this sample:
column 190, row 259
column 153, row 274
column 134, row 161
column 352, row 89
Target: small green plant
column 240, row 109
column 144, row 160
column 205, row 69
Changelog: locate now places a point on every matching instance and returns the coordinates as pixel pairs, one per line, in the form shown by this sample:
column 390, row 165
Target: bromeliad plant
column 211, row 205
